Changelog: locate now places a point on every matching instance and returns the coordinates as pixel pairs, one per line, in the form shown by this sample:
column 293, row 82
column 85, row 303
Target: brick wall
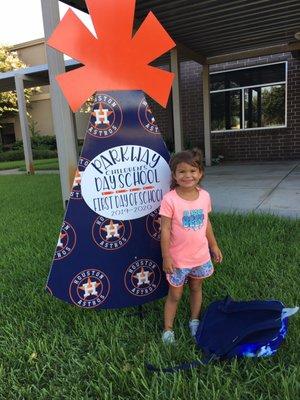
column 265, row 144
column 291, row 142
column 192, row 104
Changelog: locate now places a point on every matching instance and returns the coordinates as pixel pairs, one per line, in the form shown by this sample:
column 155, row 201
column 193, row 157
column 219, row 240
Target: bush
column 12, row 155
column 44, row 154
column 18, row 145
column 15, row 155
column 43, row 142
column 37, row 142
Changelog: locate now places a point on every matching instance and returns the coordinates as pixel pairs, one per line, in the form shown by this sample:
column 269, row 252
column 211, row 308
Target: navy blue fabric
column 91, row 269
column 231, row 328
column 227, row 323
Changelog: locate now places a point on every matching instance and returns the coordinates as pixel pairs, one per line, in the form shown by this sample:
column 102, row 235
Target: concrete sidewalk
column 272, row 187
column 16, row 171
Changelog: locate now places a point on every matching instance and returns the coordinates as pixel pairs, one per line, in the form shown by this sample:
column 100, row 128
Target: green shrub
column 38, row 142
column 12, row 155
column 40, row 154
column 43, row 142
column 15, row 155
column 18, row 145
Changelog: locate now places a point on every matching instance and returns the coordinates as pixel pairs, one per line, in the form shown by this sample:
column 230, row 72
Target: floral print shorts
column 180, row 275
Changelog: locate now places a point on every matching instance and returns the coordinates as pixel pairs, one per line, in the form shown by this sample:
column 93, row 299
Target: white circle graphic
column 125, row 182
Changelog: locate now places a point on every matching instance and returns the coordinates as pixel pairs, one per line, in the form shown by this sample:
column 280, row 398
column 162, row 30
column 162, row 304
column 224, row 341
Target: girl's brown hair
column 192, row 157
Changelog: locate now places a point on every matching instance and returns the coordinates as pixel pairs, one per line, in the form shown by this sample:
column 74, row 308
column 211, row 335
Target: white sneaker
column 168, row 337
column 193, row 325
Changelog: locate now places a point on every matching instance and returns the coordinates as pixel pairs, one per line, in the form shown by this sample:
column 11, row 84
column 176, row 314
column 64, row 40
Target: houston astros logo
column 146, row 118
column 89, row 288
column 66, row 241
column 153, row 224
column 111, row 234
column 106, row 117
column 142, row 277
column 76, row 188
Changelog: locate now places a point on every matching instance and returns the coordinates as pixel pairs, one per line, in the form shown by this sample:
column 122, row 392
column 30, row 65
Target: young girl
column 187, row 238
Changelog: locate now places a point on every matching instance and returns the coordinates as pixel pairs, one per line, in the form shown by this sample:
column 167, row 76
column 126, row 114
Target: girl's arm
column 212, row 243
column 165, row 225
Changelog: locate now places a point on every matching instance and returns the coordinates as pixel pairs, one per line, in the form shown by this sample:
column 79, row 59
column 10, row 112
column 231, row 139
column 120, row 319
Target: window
column 249, row 98
column 7, row 134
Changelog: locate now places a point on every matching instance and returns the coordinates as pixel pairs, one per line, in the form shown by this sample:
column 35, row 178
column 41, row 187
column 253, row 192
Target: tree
column 10, row 61
column 274, row 105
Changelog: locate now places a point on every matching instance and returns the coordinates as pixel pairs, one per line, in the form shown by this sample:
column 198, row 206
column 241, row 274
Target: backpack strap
column 261, row 326
column 179, row 367
column 184, row 366
column 231, row 306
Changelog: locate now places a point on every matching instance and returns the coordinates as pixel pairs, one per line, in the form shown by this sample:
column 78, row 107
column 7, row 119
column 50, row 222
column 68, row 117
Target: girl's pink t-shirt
column 188, row 242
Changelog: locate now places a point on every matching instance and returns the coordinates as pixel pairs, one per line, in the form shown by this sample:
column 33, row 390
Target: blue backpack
column 231, row 329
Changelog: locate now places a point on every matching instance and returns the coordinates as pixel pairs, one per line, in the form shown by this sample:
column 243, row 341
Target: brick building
column 242, row 143
column 238, row 142
column 33, row 53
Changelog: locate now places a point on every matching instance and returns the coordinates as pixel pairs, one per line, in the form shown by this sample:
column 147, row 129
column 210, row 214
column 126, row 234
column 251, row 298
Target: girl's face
column 187, row 176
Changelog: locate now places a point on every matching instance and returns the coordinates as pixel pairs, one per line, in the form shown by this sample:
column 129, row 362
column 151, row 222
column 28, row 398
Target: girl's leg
column 195, row 286
column 171, row 304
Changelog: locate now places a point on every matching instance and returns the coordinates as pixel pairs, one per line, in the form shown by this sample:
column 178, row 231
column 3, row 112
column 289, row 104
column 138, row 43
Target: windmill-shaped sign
column 108, row 251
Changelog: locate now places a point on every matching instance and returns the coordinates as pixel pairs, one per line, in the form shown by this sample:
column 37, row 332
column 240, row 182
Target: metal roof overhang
column 33, row 76
column 220, row 30
column 207, row 31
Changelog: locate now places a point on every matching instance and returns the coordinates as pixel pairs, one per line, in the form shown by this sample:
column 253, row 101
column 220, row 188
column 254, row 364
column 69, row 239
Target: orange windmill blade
column 114, row 60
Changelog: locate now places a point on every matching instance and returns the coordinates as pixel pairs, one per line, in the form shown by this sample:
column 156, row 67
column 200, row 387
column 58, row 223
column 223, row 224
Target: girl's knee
column 195, row 285
column 175, row 294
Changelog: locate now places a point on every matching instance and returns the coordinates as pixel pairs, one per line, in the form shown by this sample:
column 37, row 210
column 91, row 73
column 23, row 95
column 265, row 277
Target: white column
column 19, row 82
column 206, row 114
column 61, row 113
column 177, row 118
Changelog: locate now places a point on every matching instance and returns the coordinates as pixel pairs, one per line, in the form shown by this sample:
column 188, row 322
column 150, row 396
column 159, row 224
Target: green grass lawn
column 52, row 350
column 50, row 163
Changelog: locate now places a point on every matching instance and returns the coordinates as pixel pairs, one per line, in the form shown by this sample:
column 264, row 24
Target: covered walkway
column 267, row 187
column 208, row 32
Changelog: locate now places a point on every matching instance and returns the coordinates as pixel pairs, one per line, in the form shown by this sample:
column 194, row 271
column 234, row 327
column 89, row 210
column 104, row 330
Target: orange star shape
column 90, row 285
column 77, row 178
column 114, row 60
column 143, row 274
column 148, row 110
column 61, row 236
column 111, row 225
column 101, row 110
